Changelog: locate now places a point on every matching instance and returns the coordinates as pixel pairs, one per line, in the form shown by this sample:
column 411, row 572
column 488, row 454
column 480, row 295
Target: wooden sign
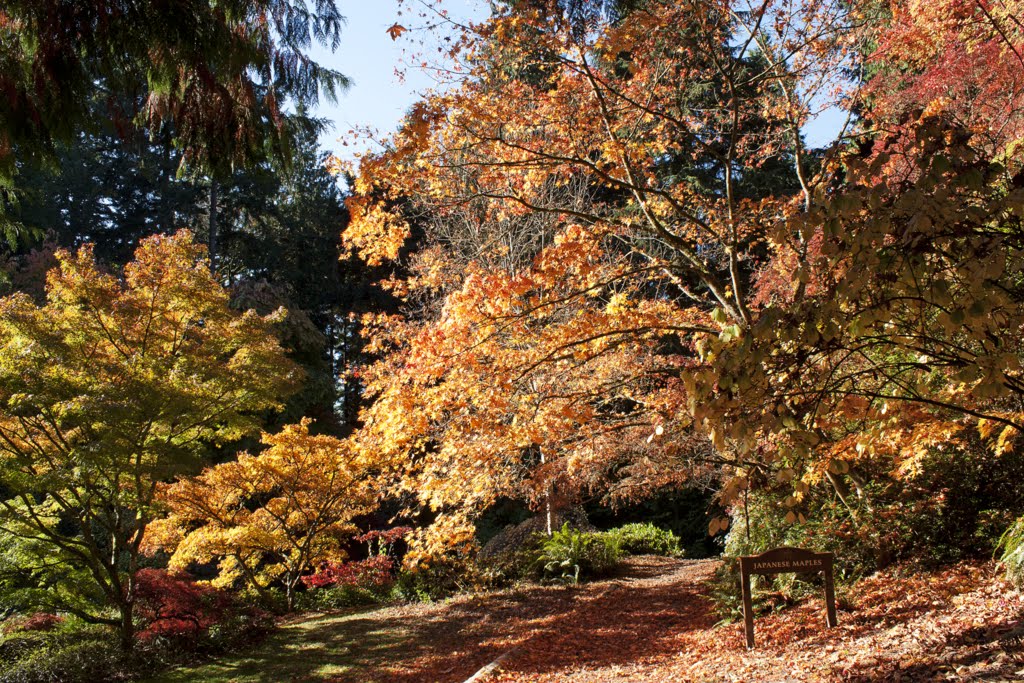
column 781, row 561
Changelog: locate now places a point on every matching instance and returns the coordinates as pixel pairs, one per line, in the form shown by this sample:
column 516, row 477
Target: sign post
column 781, row 561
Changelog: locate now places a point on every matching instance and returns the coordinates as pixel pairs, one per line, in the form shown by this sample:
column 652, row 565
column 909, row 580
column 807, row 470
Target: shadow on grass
column 318, row 649
column 599, row 624
column 399, row 645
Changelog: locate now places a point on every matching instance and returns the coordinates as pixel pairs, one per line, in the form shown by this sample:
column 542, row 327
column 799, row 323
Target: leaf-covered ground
column 654, row 623
column 960, row 624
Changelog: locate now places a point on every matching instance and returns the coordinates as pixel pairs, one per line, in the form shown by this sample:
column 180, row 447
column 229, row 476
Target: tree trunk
column 127, row 626
column 547, row 502
column 212, row 225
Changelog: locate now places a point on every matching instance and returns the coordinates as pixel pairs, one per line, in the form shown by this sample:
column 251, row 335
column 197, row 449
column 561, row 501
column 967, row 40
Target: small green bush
column 1011, row 544
column 19, row 645
column 80, row 662
column 511, row 555
column 570, row 555
column 442, row 577
column 69, row 655
column 647, row 539
column 342, row 596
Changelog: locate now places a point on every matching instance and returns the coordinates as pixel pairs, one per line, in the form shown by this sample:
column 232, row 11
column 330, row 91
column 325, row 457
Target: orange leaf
column 396, row 31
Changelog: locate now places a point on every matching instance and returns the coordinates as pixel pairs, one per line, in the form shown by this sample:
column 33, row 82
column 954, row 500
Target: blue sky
column 379, row 99
column 369, row 56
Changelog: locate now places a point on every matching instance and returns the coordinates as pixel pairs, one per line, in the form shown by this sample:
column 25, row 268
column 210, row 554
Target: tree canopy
column 214, row 77
column 635, row 270
column 110, row 387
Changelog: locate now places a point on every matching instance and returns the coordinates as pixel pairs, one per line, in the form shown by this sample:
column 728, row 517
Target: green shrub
column 20, row 645
column 75, row 654
column 342, row 596
column 1011, row 544
column 237, row 631
column 647, row 539
column 683, row 510
column 511, row 554
column 77, row 662
column 444, row 576
column 570, row 555
column 412, row 587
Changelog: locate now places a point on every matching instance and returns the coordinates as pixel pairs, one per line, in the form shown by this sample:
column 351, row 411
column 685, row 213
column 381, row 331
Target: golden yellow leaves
column 919, row 441
column 451, row 532
column 1006, row 436
column 270, row 515
column 376, row 233
column 162, row 344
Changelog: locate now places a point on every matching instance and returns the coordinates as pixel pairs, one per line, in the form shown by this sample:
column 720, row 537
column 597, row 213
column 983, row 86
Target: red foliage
column 374, row 572
column 963, row 58
column 385, row 537
column 377, row 571
column 40, row 621
column 174, row 606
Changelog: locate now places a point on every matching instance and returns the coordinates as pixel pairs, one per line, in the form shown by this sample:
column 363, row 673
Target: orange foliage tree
column 605, row 196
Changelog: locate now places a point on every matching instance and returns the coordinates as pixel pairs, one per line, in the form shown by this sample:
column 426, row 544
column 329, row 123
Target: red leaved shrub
column 177, row 608
column 375, row 572
column 174, row 606
column 372, row 573
column 40, row 621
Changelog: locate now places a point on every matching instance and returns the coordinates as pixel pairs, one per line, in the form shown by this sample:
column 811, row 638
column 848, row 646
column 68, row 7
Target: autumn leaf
column 396, row 30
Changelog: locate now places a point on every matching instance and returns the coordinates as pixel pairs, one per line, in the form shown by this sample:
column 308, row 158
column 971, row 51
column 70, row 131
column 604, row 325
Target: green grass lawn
column 320, row 648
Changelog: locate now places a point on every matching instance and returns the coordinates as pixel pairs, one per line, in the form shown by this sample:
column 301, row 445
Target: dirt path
column 605, row 623
column 960, row 624
column 613, row 624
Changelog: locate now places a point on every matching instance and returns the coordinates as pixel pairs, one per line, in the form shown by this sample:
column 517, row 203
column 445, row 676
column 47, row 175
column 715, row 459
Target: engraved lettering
column 782, row 560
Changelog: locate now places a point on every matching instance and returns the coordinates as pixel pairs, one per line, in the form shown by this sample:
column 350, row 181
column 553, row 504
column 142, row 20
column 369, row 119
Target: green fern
column 569, row 555
column 1011, row 543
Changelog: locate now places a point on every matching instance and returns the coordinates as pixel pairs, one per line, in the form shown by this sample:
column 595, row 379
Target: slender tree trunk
column 212, row 225
column 547, row 506
column 843, row 491
column 860, row 484
column 547, row 502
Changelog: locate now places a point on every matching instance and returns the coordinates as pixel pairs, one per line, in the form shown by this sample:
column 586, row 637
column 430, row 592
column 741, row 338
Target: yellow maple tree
column 111, row 386
column 271, row 517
